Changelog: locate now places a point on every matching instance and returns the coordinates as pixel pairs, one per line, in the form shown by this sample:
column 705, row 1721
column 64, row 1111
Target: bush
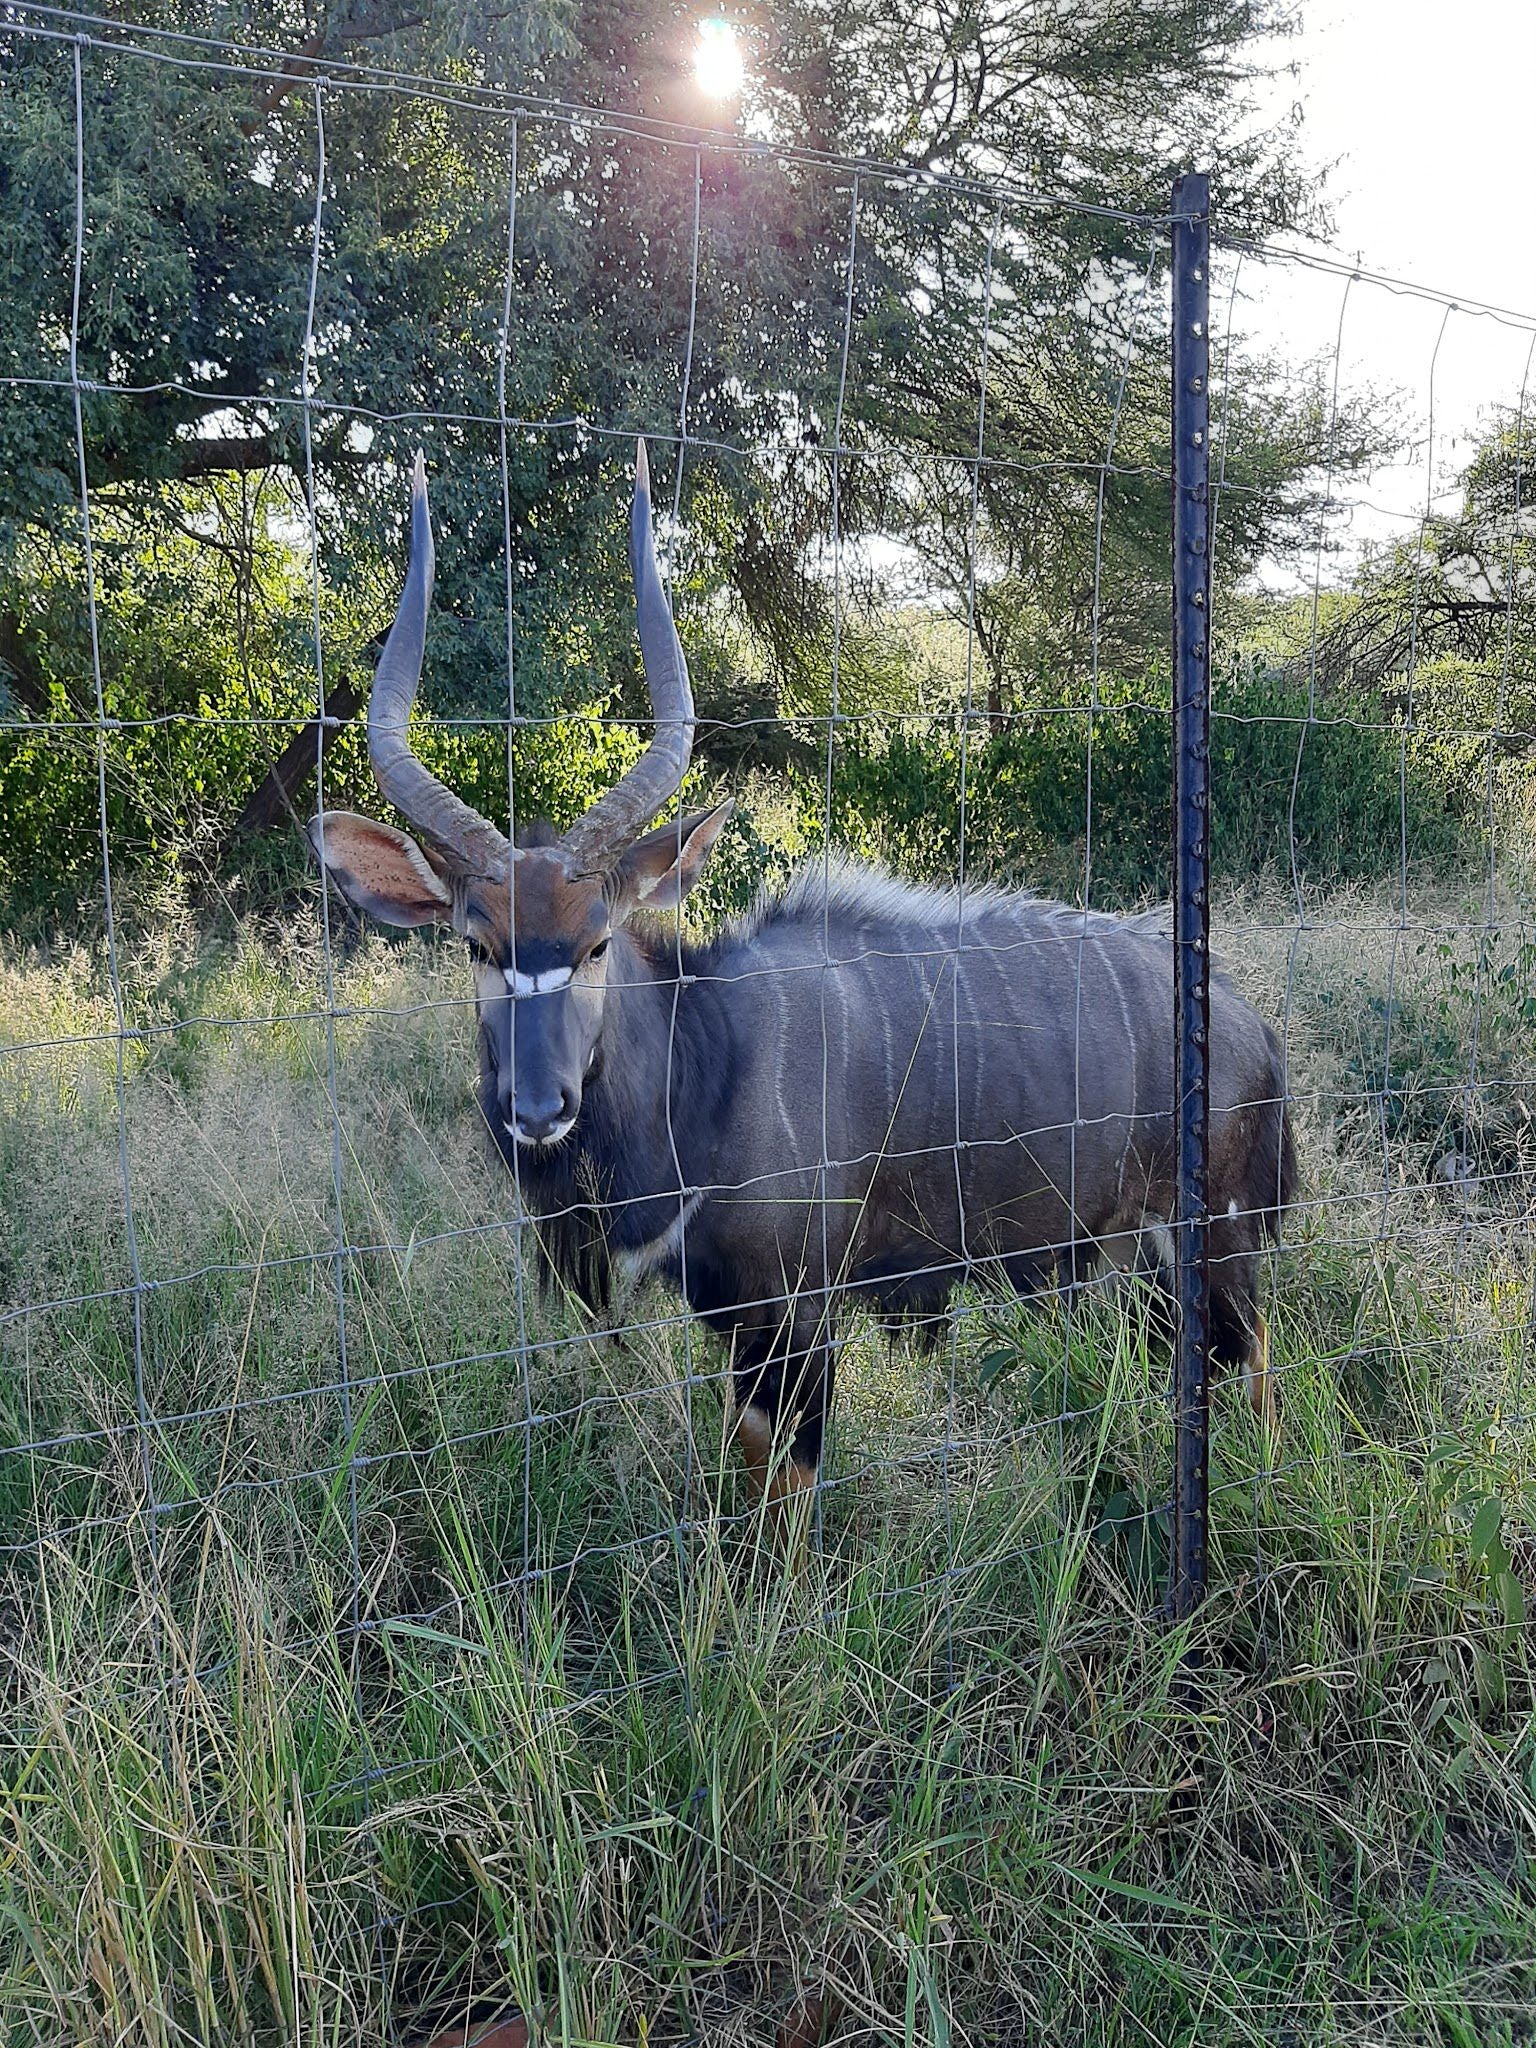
column 1365, row 791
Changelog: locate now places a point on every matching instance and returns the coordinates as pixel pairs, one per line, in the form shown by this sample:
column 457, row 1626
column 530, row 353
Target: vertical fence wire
column 519, row 1242
column 1404, row 910
column 957, row 963
column 341, row 1251
column 684, row 1524
column 341, row 1255
column 823, row 1326
column 1501, row 711
column 1525, row 1343
column 1308, row 723
column 683, row 1528
column 1222, row 445
column 141, row 1403
column 1104, row 469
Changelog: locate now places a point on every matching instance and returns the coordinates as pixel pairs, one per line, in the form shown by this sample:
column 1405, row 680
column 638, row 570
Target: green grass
column 590, row 1754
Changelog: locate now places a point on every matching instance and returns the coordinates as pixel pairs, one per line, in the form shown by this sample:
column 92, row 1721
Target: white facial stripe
column 536, row 984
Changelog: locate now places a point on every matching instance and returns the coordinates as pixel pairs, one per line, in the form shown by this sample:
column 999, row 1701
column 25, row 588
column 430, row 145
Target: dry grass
column 454, row 1679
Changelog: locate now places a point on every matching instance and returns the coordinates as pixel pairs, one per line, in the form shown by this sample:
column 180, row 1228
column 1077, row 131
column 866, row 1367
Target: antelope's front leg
column 783, row 1391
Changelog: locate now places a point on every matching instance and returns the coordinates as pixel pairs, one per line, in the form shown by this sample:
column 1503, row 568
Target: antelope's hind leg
column 1240, row 1340
column 1261, row 1388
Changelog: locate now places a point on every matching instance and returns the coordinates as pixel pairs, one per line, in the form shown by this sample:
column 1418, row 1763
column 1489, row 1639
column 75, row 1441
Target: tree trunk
column 275, row 798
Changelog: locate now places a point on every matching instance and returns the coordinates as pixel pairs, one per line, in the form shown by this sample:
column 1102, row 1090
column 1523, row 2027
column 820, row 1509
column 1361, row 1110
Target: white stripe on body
column 780, row 1065
column 636, row 1264
column 1130, row 1045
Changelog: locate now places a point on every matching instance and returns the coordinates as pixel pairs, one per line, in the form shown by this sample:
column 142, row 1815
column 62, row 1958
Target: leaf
column 418, row 1631
column 994, row 1366
column 1511, row 1597
column 1420, row 1578
column 1100, row 1880
column 347, row 1464
column 1486, row 1524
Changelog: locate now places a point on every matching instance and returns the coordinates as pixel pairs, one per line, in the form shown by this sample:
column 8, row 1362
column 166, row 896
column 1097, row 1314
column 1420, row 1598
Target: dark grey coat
column 872, row 1088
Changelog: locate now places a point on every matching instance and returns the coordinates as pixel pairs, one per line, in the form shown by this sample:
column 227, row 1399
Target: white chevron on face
column 536, row 984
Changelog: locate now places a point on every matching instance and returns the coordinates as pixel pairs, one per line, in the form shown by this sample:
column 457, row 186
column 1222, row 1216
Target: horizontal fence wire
column 277, row 1295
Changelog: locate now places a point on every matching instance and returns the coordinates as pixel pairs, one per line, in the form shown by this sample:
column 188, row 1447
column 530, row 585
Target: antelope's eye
column 598, row 950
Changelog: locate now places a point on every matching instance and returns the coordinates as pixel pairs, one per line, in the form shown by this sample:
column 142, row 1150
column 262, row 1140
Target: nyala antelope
column 863, row 1089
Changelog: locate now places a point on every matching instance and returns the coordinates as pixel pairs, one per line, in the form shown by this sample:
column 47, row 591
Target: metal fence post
column 1191, row 876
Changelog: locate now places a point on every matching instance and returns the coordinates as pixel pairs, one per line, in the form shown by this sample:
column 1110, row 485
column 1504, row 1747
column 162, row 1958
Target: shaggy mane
column 854, row 893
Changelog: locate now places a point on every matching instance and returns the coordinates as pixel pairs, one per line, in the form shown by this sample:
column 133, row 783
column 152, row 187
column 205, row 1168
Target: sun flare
column 717, row 65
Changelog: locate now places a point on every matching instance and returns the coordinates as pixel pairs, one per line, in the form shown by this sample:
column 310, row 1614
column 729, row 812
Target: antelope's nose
column 538, row 1120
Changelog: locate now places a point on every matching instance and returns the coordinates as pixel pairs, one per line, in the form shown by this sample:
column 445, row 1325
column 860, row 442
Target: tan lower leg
column 790, row 1494
column 786, row 1488
column 1261, row 1392
column 754, row 1432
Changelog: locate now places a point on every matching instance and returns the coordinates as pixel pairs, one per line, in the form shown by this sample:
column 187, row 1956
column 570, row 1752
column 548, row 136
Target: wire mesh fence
column 283, row 1366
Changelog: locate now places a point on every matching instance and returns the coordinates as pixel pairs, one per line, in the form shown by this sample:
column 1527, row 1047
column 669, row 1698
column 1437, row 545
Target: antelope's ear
column 379, row 870
column 657, row 872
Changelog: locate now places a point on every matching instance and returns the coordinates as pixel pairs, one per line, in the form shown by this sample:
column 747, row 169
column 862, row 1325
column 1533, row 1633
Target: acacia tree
column 1463, row 586
column 1063, row 566
column 203, row 357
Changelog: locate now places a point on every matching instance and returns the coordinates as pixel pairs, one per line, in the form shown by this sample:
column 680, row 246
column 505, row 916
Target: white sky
column 1429, row 115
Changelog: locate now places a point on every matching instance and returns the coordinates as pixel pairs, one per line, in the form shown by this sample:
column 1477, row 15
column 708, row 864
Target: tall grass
column 465, row 1684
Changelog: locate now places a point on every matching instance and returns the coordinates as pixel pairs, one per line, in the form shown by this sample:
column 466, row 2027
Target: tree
column 201, row 193
column 1451, row 611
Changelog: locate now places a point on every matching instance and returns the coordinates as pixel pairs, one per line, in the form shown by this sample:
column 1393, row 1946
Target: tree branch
column 275, row 796
column 352, row 28
column 237, row 454
column 295, row 71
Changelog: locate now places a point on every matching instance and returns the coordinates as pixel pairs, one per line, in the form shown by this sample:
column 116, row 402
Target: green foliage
column 195, row 289
column 1336, row 789
column 1061, row 562
column 199, row 197
column 1438, row 1065
column 1437, row 631
column 199, row 190
column 207, row 659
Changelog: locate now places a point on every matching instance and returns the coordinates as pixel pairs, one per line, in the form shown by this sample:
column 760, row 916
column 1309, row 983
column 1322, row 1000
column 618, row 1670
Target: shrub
column 1355, row 791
